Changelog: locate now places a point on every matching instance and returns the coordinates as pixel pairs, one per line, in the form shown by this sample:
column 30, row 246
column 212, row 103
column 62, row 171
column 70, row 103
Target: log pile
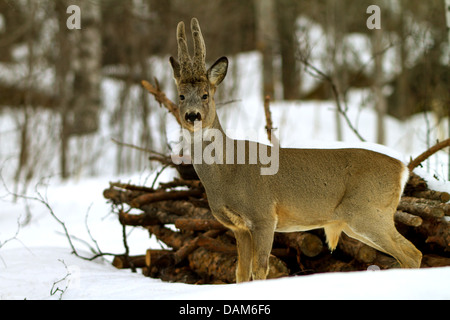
column 201, row 250
column 198, row 249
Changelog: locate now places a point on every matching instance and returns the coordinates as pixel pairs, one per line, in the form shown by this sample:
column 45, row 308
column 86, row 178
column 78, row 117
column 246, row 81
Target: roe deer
column 355, row 191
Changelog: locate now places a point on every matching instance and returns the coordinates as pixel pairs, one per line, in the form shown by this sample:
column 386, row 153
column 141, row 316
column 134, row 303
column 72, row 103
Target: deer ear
column 218, row 71
column 176, row 68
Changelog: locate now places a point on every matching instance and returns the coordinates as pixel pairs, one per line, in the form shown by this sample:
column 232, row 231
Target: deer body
column 355, row 191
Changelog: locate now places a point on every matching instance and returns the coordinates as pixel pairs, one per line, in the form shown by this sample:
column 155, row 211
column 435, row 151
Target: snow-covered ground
column 37, row 260
column 36, row 263
column 35, row 256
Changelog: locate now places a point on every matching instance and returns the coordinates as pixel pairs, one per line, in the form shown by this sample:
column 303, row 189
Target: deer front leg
column 262, row 239
column 245, row 256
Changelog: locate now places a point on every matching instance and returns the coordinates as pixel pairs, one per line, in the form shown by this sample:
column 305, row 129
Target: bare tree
column 380, row 100
column 447, row 15
column 265, row 29
column 286, row 14
column 336, row 50
column 87, row 70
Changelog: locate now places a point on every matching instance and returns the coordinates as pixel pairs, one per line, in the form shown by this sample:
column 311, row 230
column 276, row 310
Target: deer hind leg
column 378, row 231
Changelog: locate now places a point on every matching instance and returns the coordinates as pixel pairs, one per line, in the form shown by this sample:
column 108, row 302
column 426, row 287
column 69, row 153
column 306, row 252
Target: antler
column 199, row 48
column 191, row 69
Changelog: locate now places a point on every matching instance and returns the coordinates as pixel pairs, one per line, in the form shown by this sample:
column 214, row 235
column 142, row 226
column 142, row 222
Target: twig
column 127, row 249
column 44, row 201
column 428, row 153
column 13, row 237
column 158, row 174
column 89, row 231
column 162, row 99
column 336, row 94
column 221, row 104
column 269, row 124
column 54, row 290
column 120, row 143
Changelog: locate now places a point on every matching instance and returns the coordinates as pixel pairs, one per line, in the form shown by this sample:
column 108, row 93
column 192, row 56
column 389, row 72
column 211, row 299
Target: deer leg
column 262, row 238
column 245, row 257
column 382, row 235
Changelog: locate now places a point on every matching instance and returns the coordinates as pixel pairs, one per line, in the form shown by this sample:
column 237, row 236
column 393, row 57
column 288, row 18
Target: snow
column 31, row 274
column 36, row 260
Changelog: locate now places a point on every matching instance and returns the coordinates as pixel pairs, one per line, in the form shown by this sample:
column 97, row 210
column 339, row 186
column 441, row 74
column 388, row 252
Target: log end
column 311, row 245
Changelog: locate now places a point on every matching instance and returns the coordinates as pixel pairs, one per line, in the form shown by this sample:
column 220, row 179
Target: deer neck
column 208, row 150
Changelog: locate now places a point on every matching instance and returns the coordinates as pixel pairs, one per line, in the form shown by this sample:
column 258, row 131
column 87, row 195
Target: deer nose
column 193, row 116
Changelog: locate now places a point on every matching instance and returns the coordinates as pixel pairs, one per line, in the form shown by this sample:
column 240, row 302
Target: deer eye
column 181, row 97
column 205, row 96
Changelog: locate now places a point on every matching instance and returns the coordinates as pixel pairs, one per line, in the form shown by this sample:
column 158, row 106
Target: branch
column 41, row 199
column 269, row 124
column 337, row 97
column 13, row 237
column 54, row 290
column 162, row 99
column 129, row 145
column 425, row 155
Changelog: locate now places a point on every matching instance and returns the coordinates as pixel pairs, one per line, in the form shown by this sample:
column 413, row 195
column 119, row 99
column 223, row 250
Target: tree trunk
column 380, row 100
column 403, row 103
column 62, row 70
column 87, row 70
column 447, row 15
column 336, row 29
column 264, row 42
column 286, row 14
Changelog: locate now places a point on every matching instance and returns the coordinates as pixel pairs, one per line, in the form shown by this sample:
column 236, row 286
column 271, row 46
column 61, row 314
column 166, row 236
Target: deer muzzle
column 193, row 116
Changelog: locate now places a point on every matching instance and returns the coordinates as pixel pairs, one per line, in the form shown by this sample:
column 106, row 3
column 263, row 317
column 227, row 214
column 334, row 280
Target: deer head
column 196, row 85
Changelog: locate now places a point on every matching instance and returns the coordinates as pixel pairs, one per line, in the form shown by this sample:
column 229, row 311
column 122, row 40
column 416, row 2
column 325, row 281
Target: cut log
column 222, row 266
column 407, row 219
column 152, row 216
column 173, row 239
column 307, row 243
column 432, row 260
column 356, row 249
column 153, row 255
column 176, row 257
column 120, row 196
column 182, row 208
column 421, row 207
column 181, row 274
column 220, row 246
column 162, row 195
column 193, row 184
column 124, row 262
column 199, row 224
column 131, row 187
column 216, row 245
column 415, row 183
column 436, row 231
column 432, row 195
column 384, row 261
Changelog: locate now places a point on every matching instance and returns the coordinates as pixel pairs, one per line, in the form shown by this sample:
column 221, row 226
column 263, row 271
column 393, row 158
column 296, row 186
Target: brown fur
column 355, row 191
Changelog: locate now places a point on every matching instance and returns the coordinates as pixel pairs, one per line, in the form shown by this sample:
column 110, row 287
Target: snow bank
column 38, row 261
column 38, row 273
